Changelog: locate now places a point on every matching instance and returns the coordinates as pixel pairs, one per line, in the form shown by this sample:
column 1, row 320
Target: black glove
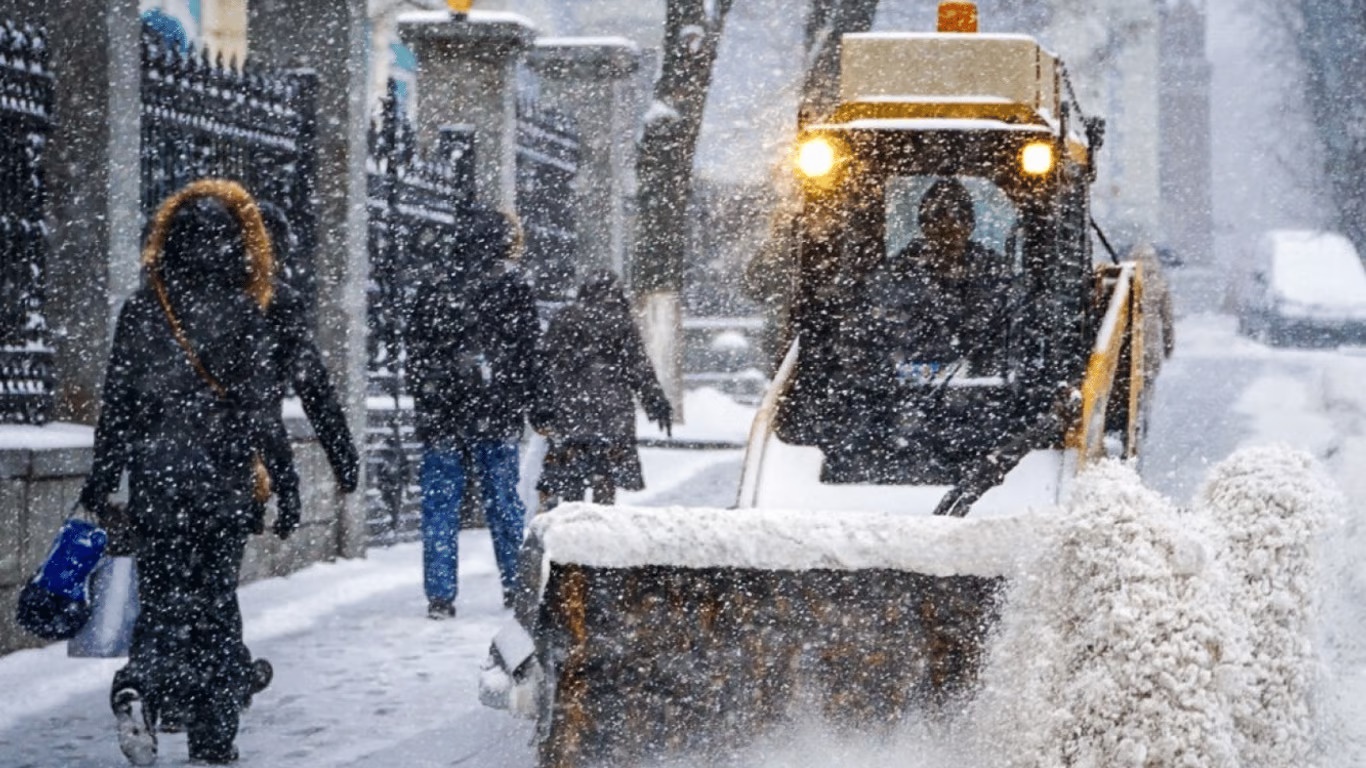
column 956, row 502
column 94, row 503
column 542, row 420
column 659, row 411
column 288, row 507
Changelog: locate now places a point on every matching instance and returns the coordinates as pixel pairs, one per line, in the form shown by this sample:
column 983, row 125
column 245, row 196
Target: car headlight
column 1036, row 159
column 817, row 157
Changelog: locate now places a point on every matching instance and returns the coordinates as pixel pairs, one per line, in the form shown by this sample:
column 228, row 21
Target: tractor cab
column 945, row 260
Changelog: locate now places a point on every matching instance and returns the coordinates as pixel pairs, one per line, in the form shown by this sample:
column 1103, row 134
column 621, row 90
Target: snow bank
column 1272, row 503
column 52, row 436
column 1152, row 636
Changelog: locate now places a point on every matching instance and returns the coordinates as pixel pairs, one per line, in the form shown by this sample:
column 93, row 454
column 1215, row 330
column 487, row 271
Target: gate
column 548, row 155
column 204, row 118
column 26, row 93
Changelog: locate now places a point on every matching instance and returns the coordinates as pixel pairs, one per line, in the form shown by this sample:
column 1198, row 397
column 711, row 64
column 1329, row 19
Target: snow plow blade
column 668, row 632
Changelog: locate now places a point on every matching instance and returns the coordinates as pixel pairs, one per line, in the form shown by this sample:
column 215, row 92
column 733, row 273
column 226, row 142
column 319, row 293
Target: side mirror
column 1095, row 132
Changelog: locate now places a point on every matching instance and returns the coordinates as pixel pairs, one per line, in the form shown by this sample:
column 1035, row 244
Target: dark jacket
column 167, row 422
column 160, row 420
column 912, row 329
column 299, row 362
column 913, row 315
column 471, row 343
column 595, row 365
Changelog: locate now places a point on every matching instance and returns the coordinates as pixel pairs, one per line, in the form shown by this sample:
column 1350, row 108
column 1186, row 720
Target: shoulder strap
column 182, row 340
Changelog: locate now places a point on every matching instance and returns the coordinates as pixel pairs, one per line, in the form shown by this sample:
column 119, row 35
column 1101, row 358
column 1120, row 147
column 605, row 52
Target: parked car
column 1306, row 288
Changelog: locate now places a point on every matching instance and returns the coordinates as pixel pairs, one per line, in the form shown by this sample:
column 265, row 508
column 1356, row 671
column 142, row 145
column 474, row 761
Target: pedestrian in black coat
column 471, row 344
column 594, row 368
column 298, row 363
column 190, row 410
column 472, row 339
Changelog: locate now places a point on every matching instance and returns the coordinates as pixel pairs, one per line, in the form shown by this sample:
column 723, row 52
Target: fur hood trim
column 239, row 202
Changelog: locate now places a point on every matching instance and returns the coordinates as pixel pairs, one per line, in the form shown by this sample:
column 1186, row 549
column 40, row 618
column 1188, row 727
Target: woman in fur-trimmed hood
column 187, row 411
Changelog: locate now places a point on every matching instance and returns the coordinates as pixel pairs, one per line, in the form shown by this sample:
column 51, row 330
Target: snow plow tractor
column 956, row 358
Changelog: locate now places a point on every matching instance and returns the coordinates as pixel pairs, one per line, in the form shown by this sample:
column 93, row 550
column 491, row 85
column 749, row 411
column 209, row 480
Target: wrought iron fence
column 548, row 155
column 202, row 117
column 415, row 205
column 26, row 94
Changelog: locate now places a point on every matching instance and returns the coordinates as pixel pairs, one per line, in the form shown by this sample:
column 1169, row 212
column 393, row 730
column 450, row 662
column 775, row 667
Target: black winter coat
column 299, row 362
column 471, row 356
column 595, row 365
column 914, row 317
column 164, row 423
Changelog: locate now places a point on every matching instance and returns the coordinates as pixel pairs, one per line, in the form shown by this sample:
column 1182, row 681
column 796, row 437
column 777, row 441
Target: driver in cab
column 936, row 303
column 926, row 317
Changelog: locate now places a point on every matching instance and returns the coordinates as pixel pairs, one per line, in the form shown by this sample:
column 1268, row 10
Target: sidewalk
column 362, row 676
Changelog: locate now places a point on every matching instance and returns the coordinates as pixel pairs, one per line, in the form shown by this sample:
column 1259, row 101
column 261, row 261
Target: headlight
column 817, row 157
column 1036, row 159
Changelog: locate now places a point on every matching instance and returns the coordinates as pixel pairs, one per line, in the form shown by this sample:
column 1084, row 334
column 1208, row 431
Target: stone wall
column 39, row 484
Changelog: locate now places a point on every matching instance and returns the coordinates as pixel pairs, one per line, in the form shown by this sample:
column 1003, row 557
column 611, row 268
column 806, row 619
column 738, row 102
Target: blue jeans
column 443, row 483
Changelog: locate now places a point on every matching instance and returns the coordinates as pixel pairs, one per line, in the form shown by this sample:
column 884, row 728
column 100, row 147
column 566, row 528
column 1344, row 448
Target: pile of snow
column 1108, row 654
column 1272, row 503
column 1154, row 636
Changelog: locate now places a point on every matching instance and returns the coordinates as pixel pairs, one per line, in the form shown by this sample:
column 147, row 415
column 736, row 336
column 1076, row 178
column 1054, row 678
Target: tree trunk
column 829, row 21
column 664, row 168
column 1335, row 72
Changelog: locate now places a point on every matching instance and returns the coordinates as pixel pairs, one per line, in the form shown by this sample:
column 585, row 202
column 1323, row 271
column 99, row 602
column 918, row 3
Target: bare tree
column 664, row 168
column 1325, row 37
column 669, row 141
column 826, row 25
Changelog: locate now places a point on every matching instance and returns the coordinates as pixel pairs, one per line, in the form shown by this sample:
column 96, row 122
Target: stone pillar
column 467, row 73
column 92, row 184
column 592, row 80
column 330, row 38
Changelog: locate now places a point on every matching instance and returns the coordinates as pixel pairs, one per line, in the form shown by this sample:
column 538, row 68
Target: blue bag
column 53, row 604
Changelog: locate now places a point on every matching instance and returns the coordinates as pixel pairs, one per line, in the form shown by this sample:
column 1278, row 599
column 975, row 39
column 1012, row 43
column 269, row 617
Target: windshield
column 996, row 218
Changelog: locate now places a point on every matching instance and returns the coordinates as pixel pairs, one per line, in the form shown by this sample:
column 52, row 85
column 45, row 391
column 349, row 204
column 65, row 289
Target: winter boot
column 440, row 609
column 261, row 675
column 171, row 722
column 137, row 736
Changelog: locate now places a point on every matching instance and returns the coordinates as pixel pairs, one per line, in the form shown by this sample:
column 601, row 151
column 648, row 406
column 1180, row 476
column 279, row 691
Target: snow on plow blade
column 694, row 631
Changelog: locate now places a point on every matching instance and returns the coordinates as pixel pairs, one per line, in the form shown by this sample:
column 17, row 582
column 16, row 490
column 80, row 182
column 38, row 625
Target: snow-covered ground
column 363, row 678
